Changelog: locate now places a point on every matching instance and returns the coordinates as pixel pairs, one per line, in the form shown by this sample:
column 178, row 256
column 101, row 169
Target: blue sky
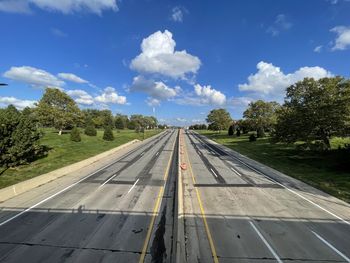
column 175, row 59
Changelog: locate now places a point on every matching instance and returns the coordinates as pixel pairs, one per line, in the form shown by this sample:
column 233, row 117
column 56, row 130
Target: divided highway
column 136, row 207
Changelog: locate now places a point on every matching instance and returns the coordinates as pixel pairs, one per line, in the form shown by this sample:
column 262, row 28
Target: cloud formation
column 342, row 41
column 203, row 95
column 271, row 80
column 81, row 97
column 33, row 76
column 281, row 23
column 18, row 103
column 111, row 96
column 159, row 57
column 61, row 6
column 177, row 14
column 71, row 77
column 156, row 89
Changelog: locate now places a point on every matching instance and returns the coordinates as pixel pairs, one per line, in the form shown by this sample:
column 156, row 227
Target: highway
column 110, row 216
column 240, row 211
column 139, row 206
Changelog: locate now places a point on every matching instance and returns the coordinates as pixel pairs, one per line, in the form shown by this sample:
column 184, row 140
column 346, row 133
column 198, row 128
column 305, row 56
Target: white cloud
column 240, row 101
column 177, row 14
column 281, row 23
column 342, row 41
column 111, row 96
column 81, row 97
column 71, row 77
column 62, row 6
column 271, row 80
column 58, row 33
column 152, row 102
column 159, row 56
column 155, row 89
column 15, row 6
column 33, row 76
column 18, row 103
column 181, row 119
column 318, row 49
column 210, row 96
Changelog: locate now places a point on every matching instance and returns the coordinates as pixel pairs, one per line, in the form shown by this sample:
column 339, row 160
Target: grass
column 328, row 171
column 63, row 152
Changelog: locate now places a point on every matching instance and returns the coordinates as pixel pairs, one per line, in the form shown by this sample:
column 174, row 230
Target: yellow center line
column 211, row 242
column 156, row 209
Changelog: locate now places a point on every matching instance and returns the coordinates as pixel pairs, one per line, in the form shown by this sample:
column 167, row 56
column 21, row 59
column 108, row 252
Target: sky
column 176, row 60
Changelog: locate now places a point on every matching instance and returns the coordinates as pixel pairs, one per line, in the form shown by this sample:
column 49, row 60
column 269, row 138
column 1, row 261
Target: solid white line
column 236, row 172
column 213, row 172
column 132, row 187
column 266, row 243
column 52, row 196
column 330, row 245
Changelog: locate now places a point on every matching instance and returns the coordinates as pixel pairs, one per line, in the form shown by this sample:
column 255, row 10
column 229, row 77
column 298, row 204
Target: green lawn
column 329, row 171
column 64, row 152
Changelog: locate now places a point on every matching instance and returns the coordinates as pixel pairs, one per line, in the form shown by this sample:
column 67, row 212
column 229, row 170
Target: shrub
column 252, row 138
column 75, row 135
column 90, row 130
column 238, row 133
column 19, row 135
column 230, row 130
column 108, row 134
column 260, row 132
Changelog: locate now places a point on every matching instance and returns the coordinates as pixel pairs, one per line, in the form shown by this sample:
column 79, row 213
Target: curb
column 180, row 238
column 19, row 188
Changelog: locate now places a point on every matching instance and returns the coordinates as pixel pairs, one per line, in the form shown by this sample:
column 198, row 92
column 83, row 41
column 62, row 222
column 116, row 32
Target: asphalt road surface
column 135, row 206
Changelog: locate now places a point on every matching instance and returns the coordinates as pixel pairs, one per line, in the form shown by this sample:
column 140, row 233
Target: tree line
column 313, row 111
column 20, row 130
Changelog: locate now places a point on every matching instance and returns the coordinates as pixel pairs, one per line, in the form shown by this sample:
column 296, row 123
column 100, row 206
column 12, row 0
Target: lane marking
column 265, row 242
column 290, row 190
column 331, row 246
column 213, row 172
column 156, row 208
column 236, row 172
column 110, row 178
column 207, row 230
column 56, row 194
column 142, row 153
column 132, row 187
column 157, row 153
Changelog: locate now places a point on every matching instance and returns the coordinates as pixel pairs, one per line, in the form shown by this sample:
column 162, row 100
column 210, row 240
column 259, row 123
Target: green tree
column 219, row 119
column 314, row 110
column 57, row 109
column 90, row 128
column 75, row 135
column 121, row 121
column 261, row 115
column 19, row 135
column 108, row 134
column 230, row 130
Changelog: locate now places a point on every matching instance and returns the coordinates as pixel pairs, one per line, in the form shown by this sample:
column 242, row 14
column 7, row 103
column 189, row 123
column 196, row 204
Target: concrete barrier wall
column 19, row 188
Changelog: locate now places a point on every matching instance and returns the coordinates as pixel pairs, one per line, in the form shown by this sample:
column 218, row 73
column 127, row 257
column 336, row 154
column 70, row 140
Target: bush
column 108, row 134
column 252, row 138
column 90, row 130
column 230, row 130
column 19, row 135
column 260, row 133
column 75, row 135
column 238, row 133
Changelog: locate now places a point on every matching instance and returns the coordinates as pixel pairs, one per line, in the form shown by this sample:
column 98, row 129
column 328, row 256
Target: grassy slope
column 319, row 170
column 64, row 152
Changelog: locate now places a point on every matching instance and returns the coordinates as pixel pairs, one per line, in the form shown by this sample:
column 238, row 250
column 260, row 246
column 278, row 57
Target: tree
column 261, row 115
column 19, row 135
column 238, row 133
column 230, row 130
column 90, row 128
column 314, row 110
column 108, row 134
column 219, row 119
column 57, row 109
column 121, row 121
column 75, row 135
